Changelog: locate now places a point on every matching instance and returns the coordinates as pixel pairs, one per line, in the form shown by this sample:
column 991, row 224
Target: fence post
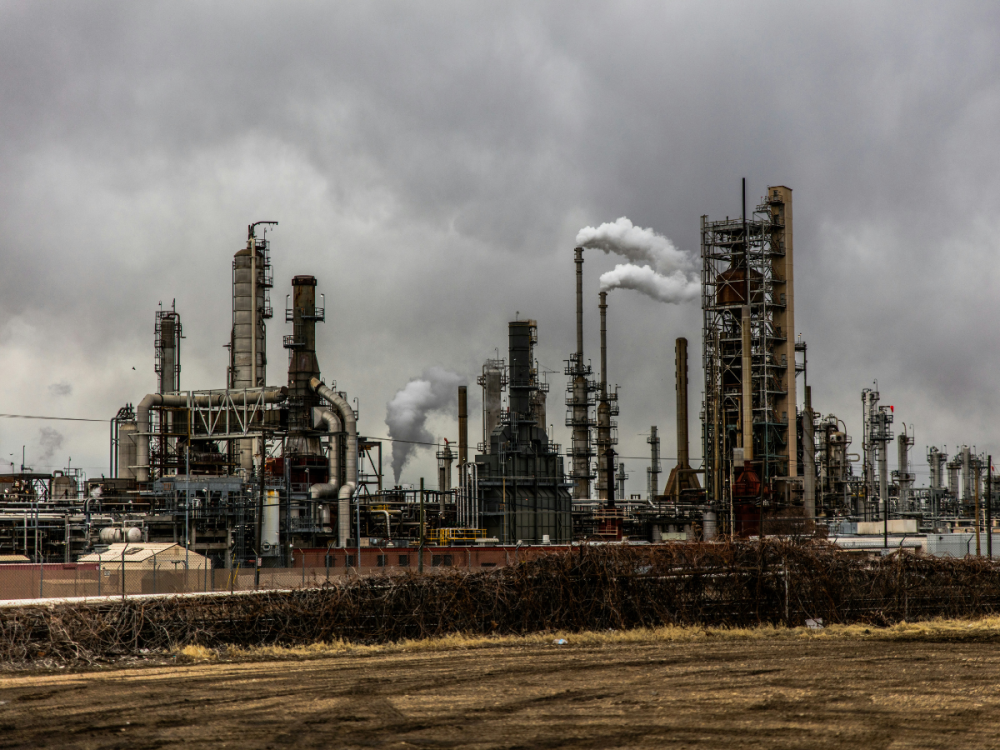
column 303, row 556
column 124, row 547
column 100, row 574
column 154, row 572
column 41, row 580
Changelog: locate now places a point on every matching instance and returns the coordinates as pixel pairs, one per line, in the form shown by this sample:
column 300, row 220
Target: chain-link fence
column 45, row 581
column 170, row 573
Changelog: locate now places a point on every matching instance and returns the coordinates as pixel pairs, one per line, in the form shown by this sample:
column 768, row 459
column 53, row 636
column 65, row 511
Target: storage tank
column 62, row 487
column 115, row 534
column 128, row 449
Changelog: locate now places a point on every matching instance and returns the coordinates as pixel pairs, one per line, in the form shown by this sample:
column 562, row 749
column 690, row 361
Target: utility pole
column 420, row 548
column 989, row 507
column 979, row 549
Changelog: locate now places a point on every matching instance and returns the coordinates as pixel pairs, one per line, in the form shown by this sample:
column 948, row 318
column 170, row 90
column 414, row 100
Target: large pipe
column 181, row 400
column 747, row 389
column 332, row 424
column 351, row 464
column 463, row 427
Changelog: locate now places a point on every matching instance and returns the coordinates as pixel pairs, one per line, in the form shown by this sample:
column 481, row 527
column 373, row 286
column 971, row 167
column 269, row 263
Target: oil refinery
column 262, row 469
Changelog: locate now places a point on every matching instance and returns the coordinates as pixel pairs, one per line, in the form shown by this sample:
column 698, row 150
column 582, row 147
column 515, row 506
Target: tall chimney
column 579, row 303
column 463, row 427
column 808, row 459
column 681, row 349
column 747, row 389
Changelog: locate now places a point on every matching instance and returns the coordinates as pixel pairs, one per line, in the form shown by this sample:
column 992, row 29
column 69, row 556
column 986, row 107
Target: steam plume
column 674, row 288
column 658, row 268
column 51, row 440
column 435, row 390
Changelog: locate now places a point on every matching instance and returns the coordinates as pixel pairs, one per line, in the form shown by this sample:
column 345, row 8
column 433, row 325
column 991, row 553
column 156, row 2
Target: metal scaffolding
column 746, row 263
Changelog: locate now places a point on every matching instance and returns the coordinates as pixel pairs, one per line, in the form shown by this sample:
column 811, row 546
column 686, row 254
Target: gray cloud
column 61, row 388
column 432, row 166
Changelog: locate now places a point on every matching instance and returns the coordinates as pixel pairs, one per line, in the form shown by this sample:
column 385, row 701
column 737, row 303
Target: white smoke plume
column 51, row 440
column 659, row 269
column 675, row 288
column 406, row 415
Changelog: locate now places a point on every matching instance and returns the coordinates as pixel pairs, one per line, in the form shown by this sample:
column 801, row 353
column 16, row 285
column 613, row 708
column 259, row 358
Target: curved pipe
column 351, row 464
column 332, row 423
column 271, row 396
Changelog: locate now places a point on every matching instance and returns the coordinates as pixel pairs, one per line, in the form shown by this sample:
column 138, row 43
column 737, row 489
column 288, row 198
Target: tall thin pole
column 979, row 551
column 989, row 507
column 420, row 548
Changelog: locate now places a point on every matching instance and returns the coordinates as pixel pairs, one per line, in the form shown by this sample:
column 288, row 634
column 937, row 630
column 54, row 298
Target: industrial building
column 255, row 472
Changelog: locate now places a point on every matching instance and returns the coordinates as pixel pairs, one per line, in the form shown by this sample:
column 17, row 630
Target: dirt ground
column 776, row 693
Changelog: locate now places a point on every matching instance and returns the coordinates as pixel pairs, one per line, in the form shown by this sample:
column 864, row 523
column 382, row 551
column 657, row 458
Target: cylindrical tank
column 62, row 487
column 115, row 534
column 128, row 449
column 709, row 527
column 246, row 264
column 270, row 520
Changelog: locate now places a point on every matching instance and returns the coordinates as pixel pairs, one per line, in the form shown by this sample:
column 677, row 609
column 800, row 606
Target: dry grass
column 981, row 629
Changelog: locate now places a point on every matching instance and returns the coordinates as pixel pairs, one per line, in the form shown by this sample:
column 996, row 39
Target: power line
column 62, row 419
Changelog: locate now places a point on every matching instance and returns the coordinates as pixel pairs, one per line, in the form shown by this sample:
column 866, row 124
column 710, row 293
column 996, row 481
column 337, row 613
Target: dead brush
column 720, row 585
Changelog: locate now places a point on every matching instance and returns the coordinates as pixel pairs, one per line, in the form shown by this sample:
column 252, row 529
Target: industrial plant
column 264, row 468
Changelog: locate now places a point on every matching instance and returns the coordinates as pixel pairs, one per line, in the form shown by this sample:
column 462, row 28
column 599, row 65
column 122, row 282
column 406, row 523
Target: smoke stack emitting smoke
column 435, row 390
column 658, row 269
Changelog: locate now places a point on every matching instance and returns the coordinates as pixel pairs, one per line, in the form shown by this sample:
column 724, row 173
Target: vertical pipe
column 420, row 545
column 989, row 507
column 978, row 544
column 253, row 307
column 463, row 427
column 747, row 395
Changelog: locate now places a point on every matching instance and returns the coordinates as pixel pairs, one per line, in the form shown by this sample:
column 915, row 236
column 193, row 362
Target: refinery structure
column 272, row 461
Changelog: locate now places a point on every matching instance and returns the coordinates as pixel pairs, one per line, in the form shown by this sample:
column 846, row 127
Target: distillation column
column 653, row 472
column 251, row 307
column 579, row 402
column 603, row 406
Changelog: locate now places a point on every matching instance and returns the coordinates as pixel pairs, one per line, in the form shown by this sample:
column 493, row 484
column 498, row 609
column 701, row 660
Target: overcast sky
column 431, row 164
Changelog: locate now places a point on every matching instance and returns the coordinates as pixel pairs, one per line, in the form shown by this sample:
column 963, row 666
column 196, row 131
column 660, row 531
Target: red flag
column 892, row 408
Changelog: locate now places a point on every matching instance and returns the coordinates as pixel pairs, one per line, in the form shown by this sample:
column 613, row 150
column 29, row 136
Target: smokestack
column 579, row 304
column 463, row 427
column 604, row 344
column 808, row 459
column 682, row 476
column 747, row 389
column 681, row 348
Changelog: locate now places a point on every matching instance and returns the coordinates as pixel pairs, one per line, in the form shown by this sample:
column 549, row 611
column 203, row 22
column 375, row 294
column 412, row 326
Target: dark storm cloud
column 432, row 165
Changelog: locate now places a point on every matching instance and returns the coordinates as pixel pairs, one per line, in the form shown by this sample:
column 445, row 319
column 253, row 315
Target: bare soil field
column 782, row 691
